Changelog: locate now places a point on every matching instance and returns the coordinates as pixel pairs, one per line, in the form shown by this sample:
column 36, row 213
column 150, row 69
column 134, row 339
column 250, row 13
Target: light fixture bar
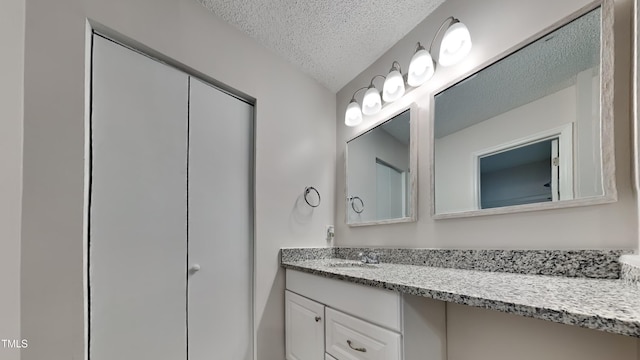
column 454, row 46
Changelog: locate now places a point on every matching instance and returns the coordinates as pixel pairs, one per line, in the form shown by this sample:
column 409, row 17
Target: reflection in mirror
column 514, row 176
column 380, row 182
column 526, row 129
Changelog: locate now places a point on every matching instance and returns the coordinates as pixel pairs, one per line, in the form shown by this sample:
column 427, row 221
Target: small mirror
column 530, row 131
column 381, row 172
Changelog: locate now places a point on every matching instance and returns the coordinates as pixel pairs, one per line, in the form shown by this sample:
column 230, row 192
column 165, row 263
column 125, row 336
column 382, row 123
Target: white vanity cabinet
column 359, row 322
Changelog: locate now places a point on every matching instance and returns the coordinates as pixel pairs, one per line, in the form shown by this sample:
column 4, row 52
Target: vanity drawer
column 349, row 338
column 381, row 307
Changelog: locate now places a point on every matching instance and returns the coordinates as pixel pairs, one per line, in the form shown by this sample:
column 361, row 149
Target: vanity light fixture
column 454, row 46
column 353, row 115
column 372, row 103
column 421, row 68
column 456, row 42
column 393, row 87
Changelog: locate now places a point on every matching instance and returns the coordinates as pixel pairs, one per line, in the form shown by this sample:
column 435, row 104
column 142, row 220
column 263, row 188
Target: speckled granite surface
column 600, row 264
column 608, row 305
column 630, row 271
column 295, row 254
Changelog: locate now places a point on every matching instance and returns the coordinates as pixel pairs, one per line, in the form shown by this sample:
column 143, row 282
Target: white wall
column 11, row 112
column 495, row 27
column 295, row 147
column 454, row 153
column 363, row 152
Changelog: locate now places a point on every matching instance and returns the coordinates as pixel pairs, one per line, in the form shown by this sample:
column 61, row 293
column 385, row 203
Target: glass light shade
column 456, row 44
column 393, row 88
column 353, row 115
column 371, row 103
column 421, row 68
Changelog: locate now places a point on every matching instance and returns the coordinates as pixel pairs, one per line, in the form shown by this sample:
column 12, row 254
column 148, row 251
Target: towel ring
column 353, row 206
column 307, row 190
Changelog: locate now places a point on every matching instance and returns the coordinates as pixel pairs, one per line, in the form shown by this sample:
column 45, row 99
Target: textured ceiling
column 332, row 41
column 542, row 68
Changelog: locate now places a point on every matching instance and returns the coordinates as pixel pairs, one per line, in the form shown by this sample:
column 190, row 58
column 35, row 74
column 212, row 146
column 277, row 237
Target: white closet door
column 220, row 225
column 138, row 224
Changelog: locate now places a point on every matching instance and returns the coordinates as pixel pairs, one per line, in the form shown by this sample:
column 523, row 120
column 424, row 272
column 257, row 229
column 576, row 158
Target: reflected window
column 524, row 175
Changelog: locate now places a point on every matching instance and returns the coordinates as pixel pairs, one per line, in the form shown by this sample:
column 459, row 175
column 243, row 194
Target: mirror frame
column 413, row 166
column 606, row 118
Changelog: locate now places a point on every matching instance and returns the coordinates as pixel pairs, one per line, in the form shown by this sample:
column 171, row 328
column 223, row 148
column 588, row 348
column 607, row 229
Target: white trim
column 555, row 186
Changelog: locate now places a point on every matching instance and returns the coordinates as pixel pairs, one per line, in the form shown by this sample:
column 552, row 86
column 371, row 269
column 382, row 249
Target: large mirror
column 381, row 172
column 533, row 130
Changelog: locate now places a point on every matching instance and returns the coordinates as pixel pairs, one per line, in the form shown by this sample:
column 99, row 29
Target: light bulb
column 456, row 44
column 371, row 103
column 421, row 68
column 393, row 87
column 353, row 115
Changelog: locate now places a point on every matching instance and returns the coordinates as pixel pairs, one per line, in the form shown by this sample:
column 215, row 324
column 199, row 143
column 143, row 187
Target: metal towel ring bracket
column 353, row 206
column 307, row 190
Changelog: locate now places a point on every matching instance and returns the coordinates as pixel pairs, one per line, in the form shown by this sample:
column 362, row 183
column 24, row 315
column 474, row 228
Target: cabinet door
column 304, row 328
column 138, row 201
column 220, row 225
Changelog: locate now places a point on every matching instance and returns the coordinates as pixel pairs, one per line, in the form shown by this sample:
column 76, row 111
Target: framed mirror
column 533, row 130
column 381, row 172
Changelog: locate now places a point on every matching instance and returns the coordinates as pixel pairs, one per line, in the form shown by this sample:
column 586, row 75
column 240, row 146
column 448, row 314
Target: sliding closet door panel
column 220, row 225
column 138, row 224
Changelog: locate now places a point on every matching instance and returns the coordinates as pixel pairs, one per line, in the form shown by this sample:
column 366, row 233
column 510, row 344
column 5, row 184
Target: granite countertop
column 610, row 305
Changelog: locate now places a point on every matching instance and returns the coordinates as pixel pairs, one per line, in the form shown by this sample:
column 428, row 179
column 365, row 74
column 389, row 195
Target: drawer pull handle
column 356, row 348
column 318, row 318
